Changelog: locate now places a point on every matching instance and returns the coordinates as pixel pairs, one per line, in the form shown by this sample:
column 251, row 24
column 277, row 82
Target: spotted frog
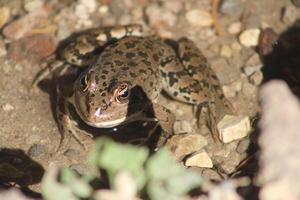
column 125, row 73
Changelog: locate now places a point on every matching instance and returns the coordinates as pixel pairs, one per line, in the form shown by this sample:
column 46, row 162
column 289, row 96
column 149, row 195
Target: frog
column 125, row 71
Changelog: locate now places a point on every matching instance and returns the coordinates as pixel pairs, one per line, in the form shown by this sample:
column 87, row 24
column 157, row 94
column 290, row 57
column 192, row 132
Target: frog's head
column 100, row 103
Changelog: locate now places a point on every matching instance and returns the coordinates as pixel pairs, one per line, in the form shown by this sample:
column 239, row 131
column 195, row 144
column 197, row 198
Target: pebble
column 32, row 5
column 252, row 65
column 4, row 15
column 231, row 128
column 235, row 28
column 226, row 51
column 8, row 107
column 79, row 168
column 37, row 150
column 71, row 154
column 158, row 16
column 243, row 145
column 290, row 14
column 249, row 90
column 256, row 78
column 231, row 90
column 182, row 126
column 199, row 18
column 31, row 49
column 209, row 174
column 231, row 7
column 250, row 37
column 200, row 159
column 185, row 144
column 228, row 163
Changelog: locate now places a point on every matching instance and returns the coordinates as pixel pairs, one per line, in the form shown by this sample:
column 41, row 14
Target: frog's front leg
column 165, row 120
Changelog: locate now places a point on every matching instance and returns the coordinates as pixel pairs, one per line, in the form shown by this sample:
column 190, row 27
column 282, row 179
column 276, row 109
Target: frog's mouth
column 107, row 124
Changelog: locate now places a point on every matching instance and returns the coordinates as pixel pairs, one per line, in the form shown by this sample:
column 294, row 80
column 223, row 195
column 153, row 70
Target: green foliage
column 156, row 176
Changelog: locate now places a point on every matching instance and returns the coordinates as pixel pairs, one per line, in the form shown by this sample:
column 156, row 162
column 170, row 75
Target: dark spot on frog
column 132, row 74
column 142, row 71
column 103, row 94
column 173, row 78
column 103, row 76
column 118, row 62
column 151, row 84
column 146, row 62
column 92, row 95
column 125, row 68
column 130, row 55
column 104, row 71
column 104, row 84
column 175, row 94
column 155, row 57
column 187, row 98
column 132, row 63
column 130, row 45
column 119, row 52
column 97, row 79
column 143, row 54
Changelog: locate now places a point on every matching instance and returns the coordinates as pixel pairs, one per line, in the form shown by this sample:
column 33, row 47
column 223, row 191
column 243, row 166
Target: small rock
column 158, row 16
column 233, row 127
column 252, row 65
column 4, row 15
column 226, row 51
column 199, row 18
column 256, row 78
column 243, row 146
column 249, row 37
column 229, row 163
column 235, row 28
column 200, row 159
column 8, row 107
column 71, row 154
column 209, row 174
column 182, row 126
column 185, row 144
column 232, row 89
column 31, row 49
column 231, row 7
column 33, row 5
column 290, row 14
column 37, row 150
column 249, row 90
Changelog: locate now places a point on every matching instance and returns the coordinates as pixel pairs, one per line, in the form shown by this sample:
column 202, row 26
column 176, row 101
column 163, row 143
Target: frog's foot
column 49, row 66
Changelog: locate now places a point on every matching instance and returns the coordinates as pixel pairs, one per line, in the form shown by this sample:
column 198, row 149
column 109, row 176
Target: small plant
column 132, row 173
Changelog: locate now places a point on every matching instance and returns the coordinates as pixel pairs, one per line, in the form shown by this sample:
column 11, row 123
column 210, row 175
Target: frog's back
column 134, row 60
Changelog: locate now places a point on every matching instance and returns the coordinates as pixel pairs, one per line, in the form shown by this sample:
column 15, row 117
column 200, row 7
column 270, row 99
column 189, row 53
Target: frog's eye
column 84, row 83
column 122, row 93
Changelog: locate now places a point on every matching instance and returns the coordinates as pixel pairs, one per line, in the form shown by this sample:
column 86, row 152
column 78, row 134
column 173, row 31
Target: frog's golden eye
column 122, row 93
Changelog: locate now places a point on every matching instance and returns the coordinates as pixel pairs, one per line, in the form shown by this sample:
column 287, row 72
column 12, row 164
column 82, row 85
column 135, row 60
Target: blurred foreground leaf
column 114, row 157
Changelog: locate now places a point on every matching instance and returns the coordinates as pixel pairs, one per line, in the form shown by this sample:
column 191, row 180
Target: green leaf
column 78, row 185
column 114, row 157
column 169, row 180
column 53, row 190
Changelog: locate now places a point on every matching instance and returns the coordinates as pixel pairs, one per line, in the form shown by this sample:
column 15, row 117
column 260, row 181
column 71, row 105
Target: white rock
column 200, row 159
column 33, row 5
column 199, row 18
column 8, row 107
column 232, row 89
column 235, row 28
column 249, row 37
column 226, row 51
column 256, row 78
column 184, row 144
column 233, row 127
column 252, row 65
column 182, row 126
